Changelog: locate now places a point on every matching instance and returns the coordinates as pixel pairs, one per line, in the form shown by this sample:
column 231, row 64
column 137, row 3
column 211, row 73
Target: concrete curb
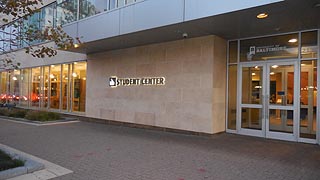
column 34, row 169
column 30, row 166
column 39, row 123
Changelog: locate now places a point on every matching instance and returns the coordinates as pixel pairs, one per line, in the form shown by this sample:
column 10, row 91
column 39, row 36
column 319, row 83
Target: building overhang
column 285, row 16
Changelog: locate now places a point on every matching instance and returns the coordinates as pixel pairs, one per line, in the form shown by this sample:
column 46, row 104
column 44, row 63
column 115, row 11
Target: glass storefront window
column 232, row 96
column 14, row 89
column 92, row 7
column 55, row 74
column 65, row 86
column 3, row 90
column 309, row 45
column 35, row 87
column 44, row 90
column 24, row 82
column 308, row 99
column 269, row 48
column 79, row 86
column 233, row 52
column 60, row 87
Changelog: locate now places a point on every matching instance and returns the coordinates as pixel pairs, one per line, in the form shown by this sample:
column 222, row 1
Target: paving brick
column 106, row 152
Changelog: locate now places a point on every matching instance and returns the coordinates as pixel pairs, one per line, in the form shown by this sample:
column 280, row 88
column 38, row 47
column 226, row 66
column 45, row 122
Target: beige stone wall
column 194, row 95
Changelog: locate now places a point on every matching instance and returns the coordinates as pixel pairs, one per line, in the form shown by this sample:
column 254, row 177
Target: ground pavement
column 106, row 152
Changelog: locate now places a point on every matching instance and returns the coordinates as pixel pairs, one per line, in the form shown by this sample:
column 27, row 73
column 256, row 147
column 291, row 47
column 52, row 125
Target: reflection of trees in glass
column 90, row 7
column 24, row 26
column 67, row 12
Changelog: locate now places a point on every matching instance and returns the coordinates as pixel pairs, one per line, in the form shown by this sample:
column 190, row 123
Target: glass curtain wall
column 92, row 7
column 66, row 11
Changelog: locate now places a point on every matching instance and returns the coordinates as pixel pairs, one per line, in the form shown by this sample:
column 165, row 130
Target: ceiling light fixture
column 275, row 66
column 294, row 40
column 262, row 15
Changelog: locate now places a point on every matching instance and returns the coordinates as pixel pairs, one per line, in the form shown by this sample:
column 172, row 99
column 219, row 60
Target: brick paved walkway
column 104, row 152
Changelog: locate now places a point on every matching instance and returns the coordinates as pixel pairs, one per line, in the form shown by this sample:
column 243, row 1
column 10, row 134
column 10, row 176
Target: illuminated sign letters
column 114, row 81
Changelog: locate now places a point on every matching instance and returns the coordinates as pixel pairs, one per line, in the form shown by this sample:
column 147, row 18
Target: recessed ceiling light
column 294, row 40
column 253, row 74
column 274, row 66
column 262, row 15
column 272, row 73
column 303, row 64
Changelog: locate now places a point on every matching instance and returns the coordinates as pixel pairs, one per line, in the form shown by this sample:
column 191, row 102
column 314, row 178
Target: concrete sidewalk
column 105, row 152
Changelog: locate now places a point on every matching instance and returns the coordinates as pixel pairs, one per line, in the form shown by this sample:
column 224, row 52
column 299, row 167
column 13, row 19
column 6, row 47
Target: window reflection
column 92, row 7
column 308, row 99
column 66, row 11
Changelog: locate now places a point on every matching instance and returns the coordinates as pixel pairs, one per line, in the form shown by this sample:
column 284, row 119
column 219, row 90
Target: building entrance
column 268, row 101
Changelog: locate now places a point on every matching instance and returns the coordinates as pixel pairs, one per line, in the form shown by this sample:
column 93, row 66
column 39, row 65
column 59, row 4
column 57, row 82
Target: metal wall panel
column 196, row 9
column 150, row 14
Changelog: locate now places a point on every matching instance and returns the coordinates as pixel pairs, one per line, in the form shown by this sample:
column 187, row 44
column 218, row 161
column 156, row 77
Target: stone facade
column 192, row 99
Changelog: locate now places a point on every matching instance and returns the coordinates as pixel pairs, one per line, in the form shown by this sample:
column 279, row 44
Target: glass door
column 281, row 101
column 251, row 114
column 268, row 100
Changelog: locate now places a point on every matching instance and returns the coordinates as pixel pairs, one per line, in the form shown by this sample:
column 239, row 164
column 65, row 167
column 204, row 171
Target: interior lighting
column 74, row 74
column 51, row 76
column 76, row 45
column 303, row 64
column 275, row 66
column 272, row 73
column 253, row 74
column 14, row 78
column 256, row 67
column 262, row 15
column 294, row 40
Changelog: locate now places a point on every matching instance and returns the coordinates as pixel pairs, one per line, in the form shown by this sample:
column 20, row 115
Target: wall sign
column 114, row 81
column 265, row 49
